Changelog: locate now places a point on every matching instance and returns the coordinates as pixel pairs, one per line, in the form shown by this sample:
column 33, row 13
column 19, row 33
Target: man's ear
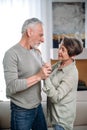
column 29, row 32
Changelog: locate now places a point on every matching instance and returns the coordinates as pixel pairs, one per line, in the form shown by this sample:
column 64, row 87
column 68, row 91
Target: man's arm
column 42, row 74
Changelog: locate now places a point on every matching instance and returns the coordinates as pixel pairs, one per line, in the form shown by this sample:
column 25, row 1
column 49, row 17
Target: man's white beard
column 35, row 46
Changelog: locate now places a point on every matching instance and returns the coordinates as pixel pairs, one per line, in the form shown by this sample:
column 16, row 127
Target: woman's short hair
column 74, row 46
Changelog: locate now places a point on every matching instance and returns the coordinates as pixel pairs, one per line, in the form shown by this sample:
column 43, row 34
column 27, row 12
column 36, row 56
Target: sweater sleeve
column 13, row 83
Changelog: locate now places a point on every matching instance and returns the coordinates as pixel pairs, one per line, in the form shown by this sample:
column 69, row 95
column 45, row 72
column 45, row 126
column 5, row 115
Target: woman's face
column 63, row 53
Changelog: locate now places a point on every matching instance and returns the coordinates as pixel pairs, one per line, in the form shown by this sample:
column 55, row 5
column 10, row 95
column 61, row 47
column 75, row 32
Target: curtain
column 12, row 15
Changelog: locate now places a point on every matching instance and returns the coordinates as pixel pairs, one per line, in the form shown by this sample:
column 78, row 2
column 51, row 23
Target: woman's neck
column 66, row 62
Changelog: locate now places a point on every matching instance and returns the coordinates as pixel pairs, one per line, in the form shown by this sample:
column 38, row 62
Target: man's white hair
column 29, row 23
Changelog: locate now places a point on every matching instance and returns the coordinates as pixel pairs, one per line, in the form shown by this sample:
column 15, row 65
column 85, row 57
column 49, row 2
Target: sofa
column 81, row 113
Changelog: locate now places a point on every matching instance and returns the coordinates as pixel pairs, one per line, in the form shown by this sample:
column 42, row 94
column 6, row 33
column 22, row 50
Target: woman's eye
column 63, row 49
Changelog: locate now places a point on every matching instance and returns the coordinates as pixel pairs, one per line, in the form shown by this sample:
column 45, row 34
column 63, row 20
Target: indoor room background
column 14, row 12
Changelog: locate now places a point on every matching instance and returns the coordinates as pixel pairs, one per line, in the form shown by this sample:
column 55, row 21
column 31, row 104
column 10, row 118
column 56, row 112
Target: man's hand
column 45, row 71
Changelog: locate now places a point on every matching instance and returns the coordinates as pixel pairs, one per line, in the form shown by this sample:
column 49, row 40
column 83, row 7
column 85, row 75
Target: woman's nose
column 59, row 50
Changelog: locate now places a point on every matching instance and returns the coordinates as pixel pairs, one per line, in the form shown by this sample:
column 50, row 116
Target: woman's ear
column 73, row 57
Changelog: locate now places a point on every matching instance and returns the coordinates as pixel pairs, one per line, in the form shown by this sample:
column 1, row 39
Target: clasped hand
column 45, row 70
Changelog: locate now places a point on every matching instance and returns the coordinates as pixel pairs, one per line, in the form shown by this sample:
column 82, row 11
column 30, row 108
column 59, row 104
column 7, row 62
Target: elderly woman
column 61, row 85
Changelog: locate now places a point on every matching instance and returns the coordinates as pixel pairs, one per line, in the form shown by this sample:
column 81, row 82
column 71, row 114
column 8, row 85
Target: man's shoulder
column 11, row 50
column 12, row 47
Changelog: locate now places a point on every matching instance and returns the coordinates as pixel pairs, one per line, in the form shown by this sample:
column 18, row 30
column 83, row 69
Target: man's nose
column 42, row 40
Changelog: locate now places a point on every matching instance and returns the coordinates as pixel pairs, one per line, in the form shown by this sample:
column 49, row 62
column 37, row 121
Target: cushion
column 5, row 114
column 81, row 109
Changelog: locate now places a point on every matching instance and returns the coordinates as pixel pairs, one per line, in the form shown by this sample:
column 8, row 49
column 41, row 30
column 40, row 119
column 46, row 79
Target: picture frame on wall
column 68, row 18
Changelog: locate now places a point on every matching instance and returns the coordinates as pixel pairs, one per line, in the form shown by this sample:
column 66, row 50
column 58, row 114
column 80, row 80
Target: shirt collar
column 68, row 67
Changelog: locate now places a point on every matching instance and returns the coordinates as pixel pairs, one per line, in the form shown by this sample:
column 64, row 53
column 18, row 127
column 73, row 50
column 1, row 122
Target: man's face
column 36, row 36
